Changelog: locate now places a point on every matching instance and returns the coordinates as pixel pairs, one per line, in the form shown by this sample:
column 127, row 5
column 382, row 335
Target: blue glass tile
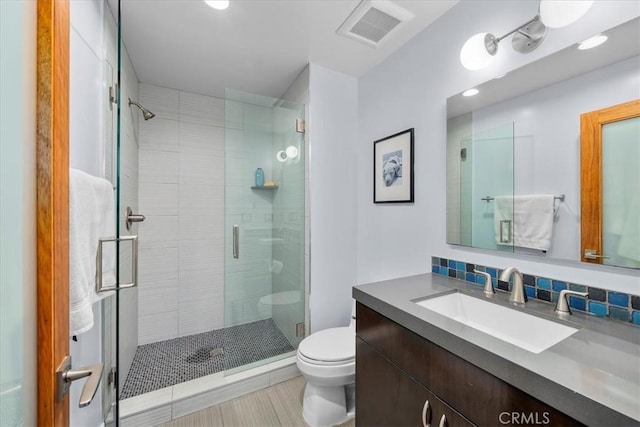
column 619, row 299
column 635, row 302
column 470, row 267
column 435, row 260
column 435, row 269
column 578, row 303
column 530, row 291
column 444, row 271
column 635, row 317
column 577, row 288
column 462, row 266
column 492, row 271
column 470, row 277
column 558, row 285
column 619, row 313
column 481, row 268
column 544, row 283
column 597, row 308
column 555, row 296
column 452, row 273
column 480, row 279
column 460, row 274
column 452, row 264
column 443, row 262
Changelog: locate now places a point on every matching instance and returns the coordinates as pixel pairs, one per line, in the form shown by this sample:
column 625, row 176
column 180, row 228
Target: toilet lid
column 330, row 345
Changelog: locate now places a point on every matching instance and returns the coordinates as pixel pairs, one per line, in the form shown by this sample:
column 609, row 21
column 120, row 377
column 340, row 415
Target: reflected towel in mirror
column 531, row 219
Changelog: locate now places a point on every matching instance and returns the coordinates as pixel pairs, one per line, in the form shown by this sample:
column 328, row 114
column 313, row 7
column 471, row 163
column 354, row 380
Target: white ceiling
column 256, row 46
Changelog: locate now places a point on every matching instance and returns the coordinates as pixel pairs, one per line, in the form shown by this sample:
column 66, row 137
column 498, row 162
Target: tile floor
column 166, row 363
column 278, row 405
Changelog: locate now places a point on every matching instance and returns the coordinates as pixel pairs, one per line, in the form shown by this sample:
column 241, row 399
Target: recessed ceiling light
column 470, row 92
column 500, row 76
column 592, row 42
column 218, row 4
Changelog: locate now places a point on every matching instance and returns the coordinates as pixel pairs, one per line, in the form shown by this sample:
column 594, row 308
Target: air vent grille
column 373, row 20
column 374, row 25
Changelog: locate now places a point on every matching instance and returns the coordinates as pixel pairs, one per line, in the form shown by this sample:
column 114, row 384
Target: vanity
column 415, row 366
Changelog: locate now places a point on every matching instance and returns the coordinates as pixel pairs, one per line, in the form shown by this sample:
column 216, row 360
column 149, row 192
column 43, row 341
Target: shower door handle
column 236, row 241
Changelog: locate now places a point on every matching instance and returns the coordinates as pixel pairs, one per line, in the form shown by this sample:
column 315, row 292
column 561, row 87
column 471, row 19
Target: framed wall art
column 393, row 168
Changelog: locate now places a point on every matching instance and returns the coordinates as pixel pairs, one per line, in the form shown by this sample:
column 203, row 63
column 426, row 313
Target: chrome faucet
column 518, row 295
column 562, row 306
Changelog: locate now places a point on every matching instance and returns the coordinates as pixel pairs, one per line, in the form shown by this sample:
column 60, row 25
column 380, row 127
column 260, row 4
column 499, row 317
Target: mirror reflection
column 522, row 191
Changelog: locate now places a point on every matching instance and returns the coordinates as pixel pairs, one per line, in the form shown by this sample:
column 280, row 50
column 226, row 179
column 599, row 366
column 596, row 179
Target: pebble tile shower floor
column 166, row 363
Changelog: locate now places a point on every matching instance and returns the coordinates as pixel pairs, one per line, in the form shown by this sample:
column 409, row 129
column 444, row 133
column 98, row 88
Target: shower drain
column 204, row 354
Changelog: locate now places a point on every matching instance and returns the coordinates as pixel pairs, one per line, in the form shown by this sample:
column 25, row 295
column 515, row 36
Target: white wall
column 18, row 367
column 333, row 133
column 410, row 90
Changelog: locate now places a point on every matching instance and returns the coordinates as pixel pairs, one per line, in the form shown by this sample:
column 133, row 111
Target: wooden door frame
column 52, row 177
column 591, row 172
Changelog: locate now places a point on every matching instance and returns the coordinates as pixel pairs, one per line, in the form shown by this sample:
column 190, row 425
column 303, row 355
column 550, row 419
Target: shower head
column 146, row 114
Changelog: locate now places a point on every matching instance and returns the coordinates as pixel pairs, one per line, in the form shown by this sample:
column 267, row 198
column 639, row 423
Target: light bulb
column 218, row 4
column 474, row 54
column 560, row 13
column 592, row 42
column 292, row 152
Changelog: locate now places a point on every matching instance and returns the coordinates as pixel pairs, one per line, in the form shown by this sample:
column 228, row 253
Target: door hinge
column 300, row 126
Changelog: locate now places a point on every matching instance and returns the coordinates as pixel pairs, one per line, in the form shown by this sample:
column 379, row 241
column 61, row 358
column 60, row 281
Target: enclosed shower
column 221, row 257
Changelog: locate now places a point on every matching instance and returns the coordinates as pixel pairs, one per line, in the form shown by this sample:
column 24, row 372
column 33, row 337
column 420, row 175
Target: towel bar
column 490, row 198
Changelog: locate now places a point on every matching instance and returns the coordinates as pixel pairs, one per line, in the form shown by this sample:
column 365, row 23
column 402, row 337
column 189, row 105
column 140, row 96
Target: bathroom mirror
column 520, row 138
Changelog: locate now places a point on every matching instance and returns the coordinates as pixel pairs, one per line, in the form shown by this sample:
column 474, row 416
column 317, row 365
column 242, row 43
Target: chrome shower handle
column 236, row 241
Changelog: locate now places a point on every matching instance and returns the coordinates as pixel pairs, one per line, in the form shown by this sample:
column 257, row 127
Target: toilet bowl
column 280, row 303
column 327, row 360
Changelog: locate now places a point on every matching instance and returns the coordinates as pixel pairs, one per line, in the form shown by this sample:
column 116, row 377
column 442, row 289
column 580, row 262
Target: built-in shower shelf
column 271, row 187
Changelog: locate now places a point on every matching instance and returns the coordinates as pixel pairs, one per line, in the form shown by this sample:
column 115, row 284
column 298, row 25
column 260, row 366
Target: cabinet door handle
column 426, row 414
column 443, row 421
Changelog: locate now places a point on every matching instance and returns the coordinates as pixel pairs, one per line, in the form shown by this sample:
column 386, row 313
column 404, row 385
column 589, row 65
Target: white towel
column 531, row 219
column 91, row 216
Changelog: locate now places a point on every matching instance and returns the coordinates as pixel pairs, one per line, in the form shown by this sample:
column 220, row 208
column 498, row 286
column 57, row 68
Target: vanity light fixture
column 479, row 49
column 470, row 92
column 218, row 4
column 592, row 42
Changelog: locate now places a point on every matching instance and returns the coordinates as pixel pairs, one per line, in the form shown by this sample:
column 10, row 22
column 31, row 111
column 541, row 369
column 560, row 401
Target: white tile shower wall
column 182, row 194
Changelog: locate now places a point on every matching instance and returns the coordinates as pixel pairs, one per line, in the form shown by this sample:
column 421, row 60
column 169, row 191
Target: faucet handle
column 489, row 290
column 562, row 306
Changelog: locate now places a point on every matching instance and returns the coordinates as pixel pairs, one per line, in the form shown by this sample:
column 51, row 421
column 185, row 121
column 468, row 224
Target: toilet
column 327, row 360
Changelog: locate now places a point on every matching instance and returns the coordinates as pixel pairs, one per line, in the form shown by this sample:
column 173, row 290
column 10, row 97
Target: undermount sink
column 513, row 326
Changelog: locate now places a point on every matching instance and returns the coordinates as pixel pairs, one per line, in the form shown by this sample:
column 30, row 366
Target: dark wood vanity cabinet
column 397, row 371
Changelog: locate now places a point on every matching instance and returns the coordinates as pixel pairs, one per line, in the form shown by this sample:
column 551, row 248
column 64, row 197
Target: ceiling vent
column 372, row 20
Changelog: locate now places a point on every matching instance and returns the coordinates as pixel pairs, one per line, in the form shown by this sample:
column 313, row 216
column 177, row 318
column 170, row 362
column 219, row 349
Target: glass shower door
column 264, row 270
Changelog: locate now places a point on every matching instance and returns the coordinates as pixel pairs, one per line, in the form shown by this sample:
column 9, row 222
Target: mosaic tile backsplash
column 599, row 302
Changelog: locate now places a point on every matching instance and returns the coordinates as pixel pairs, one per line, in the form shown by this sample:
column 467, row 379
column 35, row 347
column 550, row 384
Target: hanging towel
column 525, row 221
column 91, row 216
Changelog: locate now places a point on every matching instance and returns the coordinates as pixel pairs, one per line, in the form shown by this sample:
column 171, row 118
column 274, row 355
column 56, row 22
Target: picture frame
column 393, row 168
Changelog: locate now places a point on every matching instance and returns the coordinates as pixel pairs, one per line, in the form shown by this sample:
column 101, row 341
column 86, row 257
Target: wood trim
column 52, row 145
column 591, row 171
